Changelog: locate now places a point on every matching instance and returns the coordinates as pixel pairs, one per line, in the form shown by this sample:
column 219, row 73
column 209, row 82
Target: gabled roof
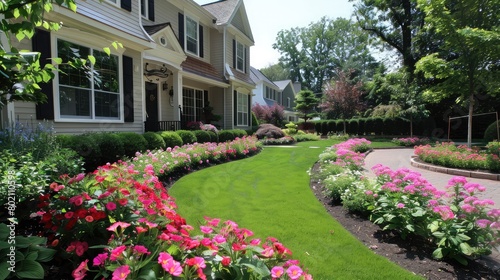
column 202, row 68
column 258, row 76
column 152, row 29
column 225, row 11
column 283, row 84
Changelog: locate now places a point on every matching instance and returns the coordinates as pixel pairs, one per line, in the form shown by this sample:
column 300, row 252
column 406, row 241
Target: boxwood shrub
column 213, row 136
column 133, row 142
column 202, row 136
column 155, row 141
column 171, row 139
column 187, row 136
column 226, row 135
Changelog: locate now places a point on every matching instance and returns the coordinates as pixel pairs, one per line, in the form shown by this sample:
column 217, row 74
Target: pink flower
column 226, row 261
column 121, row 272
column 294, row 272
column 114, row 226
column 100, row 259
column 116, row 253
column 110, row 206
column 400, row 205
column 141, row 250
column 483, row 223
column 219, row 239
column 80, row 272
column 277, row 271
column 267, row 252
column 197, row 262
column 206, row 230
column 169, row 264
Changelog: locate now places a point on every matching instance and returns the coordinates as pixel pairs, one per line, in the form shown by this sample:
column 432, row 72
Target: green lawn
column 269, row 194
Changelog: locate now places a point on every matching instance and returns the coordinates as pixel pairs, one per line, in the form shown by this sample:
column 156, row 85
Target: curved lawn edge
column 270, row 194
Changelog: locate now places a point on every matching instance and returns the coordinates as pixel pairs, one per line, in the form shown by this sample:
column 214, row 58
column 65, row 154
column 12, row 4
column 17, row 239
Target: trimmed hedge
column 490, row 133
column 134, row 143
column 155, row 141
column 226, row 135
column 187, row 136
column 214, row 138
column 202, row 136
column 171, row 139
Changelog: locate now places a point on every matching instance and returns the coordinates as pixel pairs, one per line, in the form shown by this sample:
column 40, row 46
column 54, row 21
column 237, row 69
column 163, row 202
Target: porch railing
column 163, row 126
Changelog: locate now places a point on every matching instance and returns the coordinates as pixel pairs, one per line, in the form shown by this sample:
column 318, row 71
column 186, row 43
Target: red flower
column 80, row 272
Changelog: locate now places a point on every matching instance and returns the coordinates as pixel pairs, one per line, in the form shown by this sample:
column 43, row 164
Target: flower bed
column 448, row 155
column 119, row 222
column 410, row 141
column 457, row 223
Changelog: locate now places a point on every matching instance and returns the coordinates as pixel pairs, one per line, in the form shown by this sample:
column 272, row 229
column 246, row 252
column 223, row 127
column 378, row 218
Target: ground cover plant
column 269, row 193
column 458, row 224
column 449, row 155
column 120, row 222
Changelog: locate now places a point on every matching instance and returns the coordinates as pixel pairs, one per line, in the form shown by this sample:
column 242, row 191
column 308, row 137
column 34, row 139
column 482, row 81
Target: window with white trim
column 144, row 8
column 192, row 36
column 192, row 104
column 270, row 93
column 240, row 56
column 242, row 109
column 88, row 94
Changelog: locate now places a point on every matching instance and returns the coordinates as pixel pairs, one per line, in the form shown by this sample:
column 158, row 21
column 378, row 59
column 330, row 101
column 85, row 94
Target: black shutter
column 249, row 110
column 151, row 10
column 126, row 4
column 200, row 34
column 128, row 89
column 234, row 53
column 181, row 30
column 235, row 101
column 41, row 44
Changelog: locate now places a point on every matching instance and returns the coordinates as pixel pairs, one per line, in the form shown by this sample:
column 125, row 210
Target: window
column 144, row 8
column 90, row 94
column 191, row 36
column 270, row 93
column 240, row 56
column 192, row 104
column 242, row 109
column 288, row 102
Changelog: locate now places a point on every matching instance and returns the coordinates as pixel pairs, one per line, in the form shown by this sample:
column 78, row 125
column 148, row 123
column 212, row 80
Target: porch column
column 177, row 84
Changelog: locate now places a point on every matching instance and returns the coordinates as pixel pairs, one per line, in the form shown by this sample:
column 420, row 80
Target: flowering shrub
column 457, row 222
column 287, row 140
column 209, row 127
column 119, row 222
column 449, row 155
column 410, row 141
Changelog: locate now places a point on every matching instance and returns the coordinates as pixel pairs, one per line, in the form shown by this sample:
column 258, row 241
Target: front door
column 151, row 107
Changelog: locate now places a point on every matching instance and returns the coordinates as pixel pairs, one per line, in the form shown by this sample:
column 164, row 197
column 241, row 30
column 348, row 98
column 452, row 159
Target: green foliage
column 28, row 253
column 187, row 136
column 291, row 128
column 171, row 139
column 491, row 132
column 239, row 133
column 226, row 135
column 133, row 143
column 22, row 138
column 87, row 147
column 301, row 137
column 111, row 147
column 305, row 103
column 155, row 141
column 214, row 138
column 64, row 161
column 286, row 140
column 255, row 121
column 202, row 136
column 493, row 156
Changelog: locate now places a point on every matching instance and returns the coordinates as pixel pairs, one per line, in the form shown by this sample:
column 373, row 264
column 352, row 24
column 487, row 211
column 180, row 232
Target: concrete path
column 399, row 158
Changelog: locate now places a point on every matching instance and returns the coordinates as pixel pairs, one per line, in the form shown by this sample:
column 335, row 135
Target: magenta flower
column 169, row 264
column 400, row 205
column 121, row 273
column 81, row 271
column 277, row 271
column 114, row 226
column 116, row 253
column 141, row 250
column 111, row 206
column 100, row 259
column 294, row 272
column 206, row 230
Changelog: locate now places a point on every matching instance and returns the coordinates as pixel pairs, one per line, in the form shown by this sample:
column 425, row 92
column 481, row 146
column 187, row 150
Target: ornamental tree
column 305, row 104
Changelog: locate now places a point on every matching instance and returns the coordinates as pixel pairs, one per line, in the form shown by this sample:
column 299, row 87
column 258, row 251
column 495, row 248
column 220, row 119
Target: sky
column 268, row 17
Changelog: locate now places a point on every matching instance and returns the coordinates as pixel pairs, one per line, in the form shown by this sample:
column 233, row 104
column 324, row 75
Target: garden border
column 414, row 161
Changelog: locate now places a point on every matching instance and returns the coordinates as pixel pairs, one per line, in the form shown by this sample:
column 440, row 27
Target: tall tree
column 396, row 23
column 305, row 104
column 468, row 60
column 276, row 72
column 342, row 97
column 314, row 53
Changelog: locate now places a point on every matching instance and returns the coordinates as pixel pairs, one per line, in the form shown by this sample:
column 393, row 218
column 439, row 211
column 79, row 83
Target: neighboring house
column 268, row 93
column 177, row 58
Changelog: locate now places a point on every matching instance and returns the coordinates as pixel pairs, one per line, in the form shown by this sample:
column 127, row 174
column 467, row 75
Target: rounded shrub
column 111, row 147
column 202, row 136
column 187, row 136
column 155, row 141
column 171, row 139
column 226, row 135
column 269, row 131
column 87, row 147
column 133, row 143
column 239, row 133
column 64, row 140
column 490, row 133
column 214, row 138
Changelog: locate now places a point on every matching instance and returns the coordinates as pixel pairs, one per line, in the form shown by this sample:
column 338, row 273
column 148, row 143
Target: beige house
column 178, row 59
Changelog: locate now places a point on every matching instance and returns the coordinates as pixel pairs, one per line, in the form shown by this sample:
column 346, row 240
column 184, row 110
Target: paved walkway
column 401, row 158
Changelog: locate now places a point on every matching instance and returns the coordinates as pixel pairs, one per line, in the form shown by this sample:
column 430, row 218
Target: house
column 180, row 62
column 269, row 93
